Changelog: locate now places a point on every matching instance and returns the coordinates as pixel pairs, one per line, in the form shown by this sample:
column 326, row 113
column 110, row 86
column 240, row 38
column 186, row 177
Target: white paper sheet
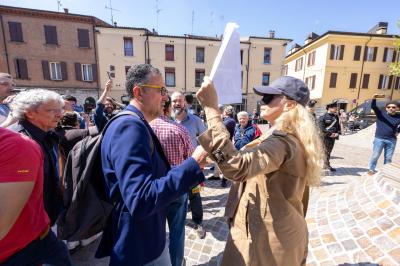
column 226, row 71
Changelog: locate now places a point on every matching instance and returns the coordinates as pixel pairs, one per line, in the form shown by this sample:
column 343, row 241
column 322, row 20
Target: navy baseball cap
column 291, row 87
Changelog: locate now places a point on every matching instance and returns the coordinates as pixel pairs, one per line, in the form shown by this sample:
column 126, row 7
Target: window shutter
column 375, row 52
column 15, row 29
column 390, row 82
column 78, row 71
column 385, row 54
column 23, row 69
column 313, row 82
column 83, row 38
column 365, row 81
column 394, row 56
column 353, row 80
column 380, row 81
column 50, row 33
column 365, row 53
column 357, row 53
column 46, row 70
column 397, row 85
column 64, row 72
column 332, row 51
column 94, row 72
column 332, row 82
column 341, row 52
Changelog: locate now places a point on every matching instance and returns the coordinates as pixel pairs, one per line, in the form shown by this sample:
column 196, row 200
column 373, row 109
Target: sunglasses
column 267, row 98
column 163, row 90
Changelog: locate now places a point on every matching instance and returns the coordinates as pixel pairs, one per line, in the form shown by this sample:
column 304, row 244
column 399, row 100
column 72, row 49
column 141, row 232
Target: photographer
column 330, row 129
column 106, row 107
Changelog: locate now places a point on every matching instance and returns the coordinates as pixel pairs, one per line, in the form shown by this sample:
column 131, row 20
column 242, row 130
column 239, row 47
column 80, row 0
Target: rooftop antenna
column 192, row 20
column 111, row 11
column 158, row 10
column 58, row 5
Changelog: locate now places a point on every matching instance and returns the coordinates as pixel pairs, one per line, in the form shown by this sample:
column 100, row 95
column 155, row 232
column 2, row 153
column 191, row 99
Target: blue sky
column 290, row 19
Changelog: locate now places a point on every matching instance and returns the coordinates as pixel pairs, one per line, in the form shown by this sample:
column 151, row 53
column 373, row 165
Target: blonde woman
column 267, row 226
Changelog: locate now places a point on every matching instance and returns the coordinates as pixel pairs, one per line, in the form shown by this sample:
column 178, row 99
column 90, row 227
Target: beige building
column 51, row 50
column 346, row 66
column 184, row 60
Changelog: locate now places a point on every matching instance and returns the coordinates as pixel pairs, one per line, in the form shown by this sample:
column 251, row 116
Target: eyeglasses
column 163, row 90
column 391, row 107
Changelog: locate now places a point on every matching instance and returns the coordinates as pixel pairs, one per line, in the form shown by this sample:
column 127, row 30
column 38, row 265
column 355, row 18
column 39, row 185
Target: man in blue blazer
column 138, row 176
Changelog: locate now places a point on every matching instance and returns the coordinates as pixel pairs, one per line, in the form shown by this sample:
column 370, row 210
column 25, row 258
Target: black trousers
column 196, row 207
column 328, row 143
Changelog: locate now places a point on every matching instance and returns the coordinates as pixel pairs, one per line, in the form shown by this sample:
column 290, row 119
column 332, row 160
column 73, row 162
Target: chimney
column 294, row 48
column 66, row 11
column 115, row 24
column 380, row 28
column 272, row 34
column 312, row 36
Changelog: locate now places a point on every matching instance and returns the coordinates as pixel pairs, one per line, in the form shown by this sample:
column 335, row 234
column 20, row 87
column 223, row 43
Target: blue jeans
column 388, row 145
column 49, row 251
column 176, row 222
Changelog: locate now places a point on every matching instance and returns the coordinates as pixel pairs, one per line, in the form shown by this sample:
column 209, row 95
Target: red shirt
column 21, row 160
column 174, row 139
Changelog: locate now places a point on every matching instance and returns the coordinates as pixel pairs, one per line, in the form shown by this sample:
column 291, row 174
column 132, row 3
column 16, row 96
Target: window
column 310, row 81
column 267, row 55
column 21, row 69
column 285, row 70
column 389, row 55
column 241, row 57
column 15, row 29
column 357, row 53
column 87, row 73
column 50, row 34
column 169, row 52
column 332, row 81
column 370, row 53
column 385, row 82
column 127, row 69
column 353, row 80
column 199, row 54
column 83, row 38
column 299, row 64
column 311, row 59
column 337, row 52
column 365, row 81
column 265, row 79
column 397, row 83
column 128, row 46
column 170, row 77
column 55, row 71
column 199, row 76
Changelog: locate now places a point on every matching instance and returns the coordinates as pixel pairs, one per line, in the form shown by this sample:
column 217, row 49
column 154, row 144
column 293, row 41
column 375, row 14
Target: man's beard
column 178, row 111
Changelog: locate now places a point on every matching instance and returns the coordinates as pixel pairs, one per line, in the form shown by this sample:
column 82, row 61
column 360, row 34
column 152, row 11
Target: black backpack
column 86, row 203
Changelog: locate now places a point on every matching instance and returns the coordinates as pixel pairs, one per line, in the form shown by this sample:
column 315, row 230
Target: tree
column 395, row 67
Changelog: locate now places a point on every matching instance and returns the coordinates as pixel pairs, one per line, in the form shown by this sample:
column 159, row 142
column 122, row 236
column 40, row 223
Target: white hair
column 242, row 114
column 30, row 100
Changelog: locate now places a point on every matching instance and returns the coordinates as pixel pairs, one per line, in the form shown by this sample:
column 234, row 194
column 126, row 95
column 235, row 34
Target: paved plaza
column 352, row 218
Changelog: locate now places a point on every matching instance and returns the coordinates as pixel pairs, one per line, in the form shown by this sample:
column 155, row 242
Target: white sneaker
column 72, row 244
column 88, row 241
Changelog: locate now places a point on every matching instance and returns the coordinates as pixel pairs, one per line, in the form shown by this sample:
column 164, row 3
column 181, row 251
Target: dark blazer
column 146, row 184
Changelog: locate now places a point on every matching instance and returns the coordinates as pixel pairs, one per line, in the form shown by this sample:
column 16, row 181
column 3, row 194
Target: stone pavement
column 352, row 217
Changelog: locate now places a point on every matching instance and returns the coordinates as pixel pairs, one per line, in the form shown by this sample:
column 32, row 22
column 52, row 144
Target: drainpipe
column 185, row 61
column 5, row 44
column 247, row 72
column 305, row 59
column 362, row 71
column 97, row 60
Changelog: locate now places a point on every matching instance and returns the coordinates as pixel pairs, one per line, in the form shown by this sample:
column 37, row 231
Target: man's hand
column 200, row 155
column 109, row 85
column 207, row 96
column 9, row 99
column 334, row 135
column 375, row 96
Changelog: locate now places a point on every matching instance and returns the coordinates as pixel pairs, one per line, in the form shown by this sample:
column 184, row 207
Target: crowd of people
column 152, row 164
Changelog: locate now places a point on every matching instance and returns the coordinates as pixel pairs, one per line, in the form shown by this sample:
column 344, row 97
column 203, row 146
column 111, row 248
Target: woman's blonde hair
column 300, row 123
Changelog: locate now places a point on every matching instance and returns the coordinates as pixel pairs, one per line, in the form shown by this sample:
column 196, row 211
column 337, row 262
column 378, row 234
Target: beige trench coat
column 267, row 225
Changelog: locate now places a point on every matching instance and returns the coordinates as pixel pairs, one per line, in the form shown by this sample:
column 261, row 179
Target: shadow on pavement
column 324, row 183
column 217, row 227
column 214, row 261
column 342, row 171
